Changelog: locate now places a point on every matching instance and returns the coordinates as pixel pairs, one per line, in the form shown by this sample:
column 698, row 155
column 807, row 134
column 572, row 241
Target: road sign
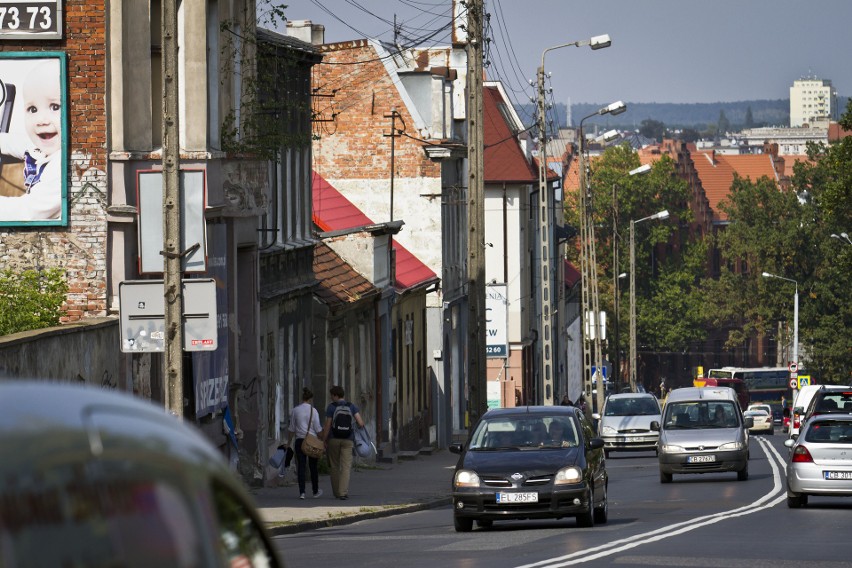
column 804, row 380
column 793, row 367
column 794, row 383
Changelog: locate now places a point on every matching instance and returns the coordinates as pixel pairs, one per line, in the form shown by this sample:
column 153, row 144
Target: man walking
column 339, row 433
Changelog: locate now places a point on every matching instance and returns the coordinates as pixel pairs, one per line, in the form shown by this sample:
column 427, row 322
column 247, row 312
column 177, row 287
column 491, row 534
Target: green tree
column 652, row 129
column 31, row 299
column 723, row 125
column 749, row 118
column 668, row 301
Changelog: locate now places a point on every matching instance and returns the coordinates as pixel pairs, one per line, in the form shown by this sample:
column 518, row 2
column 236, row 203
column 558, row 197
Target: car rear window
column 75, row 516
column 830, row 402
column 830, row 431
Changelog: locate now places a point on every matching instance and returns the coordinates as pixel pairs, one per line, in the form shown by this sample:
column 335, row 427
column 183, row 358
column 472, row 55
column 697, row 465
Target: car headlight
column 609, row 431
column 731, row 446
column 466, row 478
column 672, row 449
column 566, row 475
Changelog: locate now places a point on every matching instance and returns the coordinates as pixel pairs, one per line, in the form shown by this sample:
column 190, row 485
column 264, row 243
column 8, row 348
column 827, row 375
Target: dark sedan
column 531, row 462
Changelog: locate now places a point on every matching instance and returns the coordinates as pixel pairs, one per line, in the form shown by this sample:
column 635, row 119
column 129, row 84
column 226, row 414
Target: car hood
column 503, row 461
column 630, row 422
column 708, row 437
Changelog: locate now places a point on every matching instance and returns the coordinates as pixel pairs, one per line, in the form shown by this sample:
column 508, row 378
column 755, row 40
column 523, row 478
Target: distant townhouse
column 391, row 139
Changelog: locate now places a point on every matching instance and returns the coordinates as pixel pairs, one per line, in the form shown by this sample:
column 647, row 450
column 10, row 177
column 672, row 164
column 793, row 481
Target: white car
column 625, row 423
column 820, row 460
column 757, row 406
column 762, row 421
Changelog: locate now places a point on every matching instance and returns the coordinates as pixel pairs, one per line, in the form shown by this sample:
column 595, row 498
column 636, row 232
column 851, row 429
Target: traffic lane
column 639, row 505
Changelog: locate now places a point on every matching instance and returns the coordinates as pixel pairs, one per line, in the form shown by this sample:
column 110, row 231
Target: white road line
column 768, row 500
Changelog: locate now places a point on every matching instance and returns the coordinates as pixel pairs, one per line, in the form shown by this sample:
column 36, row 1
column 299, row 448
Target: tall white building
column 812, row 101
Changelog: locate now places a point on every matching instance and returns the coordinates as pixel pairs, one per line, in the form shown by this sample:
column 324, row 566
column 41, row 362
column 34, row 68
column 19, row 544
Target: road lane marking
column 766, row 501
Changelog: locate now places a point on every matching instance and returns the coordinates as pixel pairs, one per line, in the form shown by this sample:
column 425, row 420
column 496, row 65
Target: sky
column 663, row 51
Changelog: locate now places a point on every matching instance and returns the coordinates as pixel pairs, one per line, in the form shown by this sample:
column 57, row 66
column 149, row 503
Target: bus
column 737, row 384
column 767, row 385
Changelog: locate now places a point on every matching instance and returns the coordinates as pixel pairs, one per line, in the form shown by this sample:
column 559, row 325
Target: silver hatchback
column 703, row 431
column 625, row 424
column 820, row 460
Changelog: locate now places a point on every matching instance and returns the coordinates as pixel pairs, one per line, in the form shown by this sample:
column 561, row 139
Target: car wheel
column 602, row 510
column 485, row 523
column 665, row 477
column 742, row 474
column 463, row 524
column 587, row 519
column 796, row 500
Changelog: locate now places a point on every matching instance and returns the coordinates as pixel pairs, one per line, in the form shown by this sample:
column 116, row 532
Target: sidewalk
column 416, row 482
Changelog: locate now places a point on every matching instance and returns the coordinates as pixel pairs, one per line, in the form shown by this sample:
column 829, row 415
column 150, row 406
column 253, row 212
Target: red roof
column 716, row 172
column 504, row 160
column 333, row 212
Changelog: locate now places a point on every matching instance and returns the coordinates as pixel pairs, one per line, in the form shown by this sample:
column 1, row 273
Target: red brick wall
column 354, row 144
column 79, row 248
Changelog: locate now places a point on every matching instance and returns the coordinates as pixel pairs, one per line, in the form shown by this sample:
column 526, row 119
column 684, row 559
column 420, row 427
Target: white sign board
column 496, row 321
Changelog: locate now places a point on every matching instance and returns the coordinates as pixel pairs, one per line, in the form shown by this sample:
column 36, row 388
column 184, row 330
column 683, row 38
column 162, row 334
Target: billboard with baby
column 33, row 138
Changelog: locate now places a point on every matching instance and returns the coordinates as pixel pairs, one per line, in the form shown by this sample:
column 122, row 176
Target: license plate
column 701, row 459
column 837, row 474
column 529, row 497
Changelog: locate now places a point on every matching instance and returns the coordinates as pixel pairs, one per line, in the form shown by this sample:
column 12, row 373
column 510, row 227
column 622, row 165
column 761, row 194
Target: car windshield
column 636, row 406
column 830, row 431
column 524, row 432
column 700, row 414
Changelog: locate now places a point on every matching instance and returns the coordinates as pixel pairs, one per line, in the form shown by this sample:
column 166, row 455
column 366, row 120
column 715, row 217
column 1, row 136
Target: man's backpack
column 342, row 420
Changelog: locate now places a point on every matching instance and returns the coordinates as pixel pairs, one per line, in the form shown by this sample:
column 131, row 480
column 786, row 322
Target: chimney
column 306, row 31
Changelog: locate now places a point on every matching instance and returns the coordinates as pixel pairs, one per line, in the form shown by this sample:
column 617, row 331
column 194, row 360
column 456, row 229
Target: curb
column 298, row 527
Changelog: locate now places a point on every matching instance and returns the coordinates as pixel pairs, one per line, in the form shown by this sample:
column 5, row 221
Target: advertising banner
column 33, row 139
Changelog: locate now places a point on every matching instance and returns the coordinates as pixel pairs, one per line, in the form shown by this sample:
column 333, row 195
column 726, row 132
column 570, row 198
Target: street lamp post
column 664, row 214
column 546, row 396
column 592, row 353
column 795, row 318
column 842, row 237
column 643, row 169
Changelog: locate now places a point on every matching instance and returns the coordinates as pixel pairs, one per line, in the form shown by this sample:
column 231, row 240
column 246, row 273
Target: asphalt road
column 696, row 521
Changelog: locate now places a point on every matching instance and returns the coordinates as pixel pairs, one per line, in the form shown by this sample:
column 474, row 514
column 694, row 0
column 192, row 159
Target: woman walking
column 305, row 420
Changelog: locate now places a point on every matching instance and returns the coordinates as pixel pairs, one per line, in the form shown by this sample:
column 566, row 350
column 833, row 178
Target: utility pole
column 546, row 395
column 393, row 135
column 476, row 370
column 172, row 287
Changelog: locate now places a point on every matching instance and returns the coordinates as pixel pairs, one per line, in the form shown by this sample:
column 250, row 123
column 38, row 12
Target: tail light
column 802, row 455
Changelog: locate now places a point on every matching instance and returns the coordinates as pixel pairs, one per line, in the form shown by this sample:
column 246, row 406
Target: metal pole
column 546, row 395
column 632, row 307
column 172, row 290
column 616, row 372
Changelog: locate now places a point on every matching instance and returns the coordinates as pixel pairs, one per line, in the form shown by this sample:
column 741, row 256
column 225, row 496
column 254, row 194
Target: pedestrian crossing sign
column 804, row 380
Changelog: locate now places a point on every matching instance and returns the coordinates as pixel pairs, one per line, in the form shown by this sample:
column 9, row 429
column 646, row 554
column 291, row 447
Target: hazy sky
column 668, row 51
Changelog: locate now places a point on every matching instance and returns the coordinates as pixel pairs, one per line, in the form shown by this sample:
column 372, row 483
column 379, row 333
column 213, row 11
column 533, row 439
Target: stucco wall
column 86, row 352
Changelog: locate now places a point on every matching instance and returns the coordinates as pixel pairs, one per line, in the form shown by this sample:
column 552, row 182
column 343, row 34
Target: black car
column 530, row 462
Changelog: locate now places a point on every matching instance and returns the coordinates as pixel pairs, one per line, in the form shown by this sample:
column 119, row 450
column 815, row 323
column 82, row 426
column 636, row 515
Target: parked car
column 820, row 459
column 625, row 424
column 762, row 421
column 531, row 462
column 93, row 477
column 703, row 431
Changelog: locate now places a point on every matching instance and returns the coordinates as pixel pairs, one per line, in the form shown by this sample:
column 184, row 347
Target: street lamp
column 795, row 317
column 589, row 274
column 664, row 214
column 841, row 237
column 643, row 169
column 544, row 228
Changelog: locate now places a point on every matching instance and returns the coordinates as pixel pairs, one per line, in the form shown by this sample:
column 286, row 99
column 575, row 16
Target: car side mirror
column 789, row 442
column 749, row 422
column 655, row 426
column 596, row 443
column 596, row 415
column 456, row 448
